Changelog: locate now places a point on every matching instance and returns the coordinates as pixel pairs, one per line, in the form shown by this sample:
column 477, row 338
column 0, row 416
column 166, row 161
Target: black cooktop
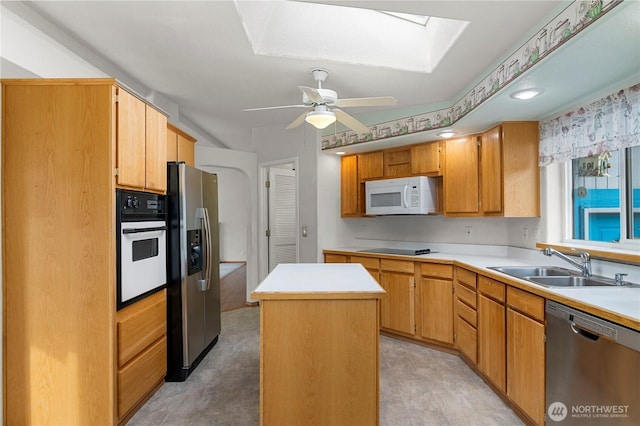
column 405, row 252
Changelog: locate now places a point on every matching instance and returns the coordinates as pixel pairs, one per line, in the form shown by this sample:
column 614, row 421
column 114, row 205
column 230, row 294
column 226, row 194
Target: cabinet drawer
column 467, row 295
column 367, row 262
column 467, row 340
column 141, row 324
column 437, row 270
column 335, row 258
column 466, row 313
column 491, row 288
column 466, row 277
column 397, row 265
column 526, row 303
column 139, row 376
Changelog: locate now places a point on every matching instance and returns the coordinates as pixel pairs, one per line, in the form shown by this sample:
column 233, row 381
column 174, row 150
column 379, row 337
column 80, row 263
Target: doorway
column 279, row 214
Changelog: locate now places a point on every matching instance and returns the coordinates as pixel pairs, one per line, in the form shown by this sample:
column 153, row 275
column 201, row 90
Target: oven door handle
column 140, row 230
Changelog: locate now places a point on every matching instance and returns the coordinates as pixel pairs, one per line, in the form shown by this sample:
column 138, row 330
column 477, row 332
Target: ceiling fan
column 324, row 102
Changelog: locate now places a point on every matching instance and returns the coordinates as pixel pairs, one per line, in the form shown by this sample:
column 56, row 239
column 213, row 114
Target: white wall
column 275, row 143
column 213, row 159
column 233, row 212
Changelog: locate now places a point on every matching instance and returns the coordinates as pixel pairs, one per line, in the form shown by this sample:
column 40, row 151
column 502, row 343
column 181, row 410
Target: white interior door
column 283, row 217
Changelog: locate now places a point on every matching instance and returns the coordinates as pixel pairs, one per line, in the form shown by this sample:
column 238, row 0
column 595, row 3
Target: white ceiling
column 197, row 55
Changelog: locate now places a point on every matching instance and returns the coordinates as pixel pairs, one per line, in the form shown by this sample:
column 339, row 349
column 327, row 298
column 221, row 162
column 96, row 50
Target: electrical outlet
column 525, row 234
column 468, row 232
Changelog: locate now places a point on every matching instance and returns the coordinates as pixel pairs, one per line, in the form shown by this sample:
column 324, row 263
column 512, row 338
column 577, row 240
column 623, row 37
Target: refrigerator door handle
column 207, row 239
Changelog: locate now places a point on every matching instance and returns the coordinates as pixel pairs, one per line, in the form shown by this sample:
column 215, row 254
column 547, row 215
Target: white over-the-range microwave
column 412, row 195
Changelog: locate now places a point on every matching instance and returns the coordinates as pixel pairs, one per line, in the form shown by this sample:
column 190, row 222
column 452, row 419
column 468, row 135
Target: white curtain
column 608, row 124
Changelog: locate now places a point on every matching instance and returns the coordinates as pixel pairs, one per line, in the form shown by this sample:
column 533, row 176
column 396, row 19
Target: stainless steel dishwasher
column 593, row 370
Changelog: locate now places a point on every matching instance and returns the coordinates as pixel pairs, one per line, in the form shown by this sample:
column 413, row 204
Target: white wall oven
column 141, row 244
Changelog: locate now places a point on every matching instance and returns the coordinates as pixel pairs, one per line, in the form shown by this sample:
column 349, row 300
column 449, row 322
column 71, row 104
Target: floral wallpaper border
column 573, row 19
column 608, row 124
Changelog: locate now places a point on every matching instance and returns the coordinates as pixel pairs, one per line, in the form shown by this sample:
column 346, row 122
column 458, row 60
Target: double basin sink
column 556, row 277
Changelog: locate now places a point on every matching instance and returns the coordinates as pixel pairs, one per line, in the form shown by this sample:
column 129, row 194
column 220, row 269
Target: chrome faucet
column 584, row 265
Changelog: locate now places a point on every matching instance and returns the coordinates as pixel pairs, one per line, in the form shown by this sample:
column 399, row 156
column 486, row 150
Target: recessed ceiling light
column 340, row 153
column 526, row 94
column 446, row 134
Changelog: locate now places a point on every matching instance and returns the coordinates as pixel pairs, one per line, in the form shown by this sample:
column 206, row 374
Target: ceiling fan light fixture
column 320, row 119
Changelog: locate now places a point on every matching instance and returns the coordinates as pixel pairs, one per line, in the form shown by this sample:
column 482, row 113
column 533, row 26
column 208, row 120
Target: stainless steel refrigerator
column 193, row 273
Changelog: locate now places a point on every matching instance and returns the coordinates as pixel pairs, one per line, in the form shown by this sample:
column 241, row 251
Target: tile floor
column 418, row 386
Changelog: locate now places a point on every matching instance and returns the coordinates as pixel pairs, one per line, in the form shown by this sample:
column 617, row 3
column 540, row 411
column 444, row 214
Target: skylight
column 351, row 35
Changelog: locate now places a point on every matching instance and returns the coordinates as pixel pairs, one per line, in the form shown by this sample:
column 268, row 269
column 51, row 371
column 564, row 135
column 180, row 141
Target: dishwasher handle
column 584, row 333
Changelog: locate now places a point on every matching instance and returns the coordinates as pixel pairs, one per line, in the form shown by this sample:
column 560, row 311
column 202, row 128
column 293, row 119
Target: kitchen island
column 319, row 345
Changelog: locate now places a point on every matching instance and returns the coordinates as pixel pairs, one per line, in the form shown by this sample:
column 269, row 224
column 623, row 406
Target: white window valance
column 608, row 124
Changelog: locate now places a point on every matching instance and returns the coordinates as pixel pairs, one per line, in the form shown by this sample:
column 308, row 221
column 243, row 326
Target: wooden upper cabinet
column 491, row 171
column 461, row 183
column 172, row 143
column 426, row 159
column 349, row 187
column 140, row 144
column 186, row 150
column 520, row 170
column 180, row 146
column 156, row 150
column 131, row 131
column 370, row 165
column 397, row 162
column 509, row 172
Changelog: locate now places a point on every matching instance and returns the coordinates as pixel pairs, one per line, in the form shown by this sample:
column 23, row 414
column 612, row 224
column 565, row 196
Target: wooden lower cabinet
column 526, row 353
column 492, row 341
column 466, row 316
column 142, row 351
column 335, row 258
column 397, row 308
column 436, row 302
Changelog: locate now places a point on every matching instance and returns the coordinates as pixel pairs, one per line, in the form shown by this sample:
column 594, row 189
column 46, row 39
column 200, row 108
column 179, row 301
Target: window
column 605, row 197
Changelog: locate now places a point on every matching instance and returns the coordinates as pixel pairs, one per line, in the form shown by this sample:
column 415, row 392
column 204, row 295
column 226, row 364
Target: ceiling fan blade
column 350, row 122
column 298, row 121
column 312, row 94
column 374, row 101
column 276, row 107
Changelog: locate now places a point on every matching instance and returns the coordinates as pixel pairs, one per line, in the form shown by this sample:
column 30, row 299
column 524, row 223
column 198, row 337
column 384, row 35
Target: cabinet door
column 186, row 150
column 467, row 339
column 156, row 150
column 397, row 163
column 370, row 165
column 520, row 174
column 349, row 187
column 461, row 177
column 436, row 302
column 425, row 159
column 397, row 307
column 491, row 171
column 526, row 364
column 172, row 145
column 130, row 149
column 492, row 341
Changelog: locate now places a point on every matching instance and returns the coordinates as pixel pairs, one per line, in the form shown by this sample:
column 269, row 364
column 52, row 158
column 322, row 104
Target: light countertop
column 612, row 303
column 319, row 280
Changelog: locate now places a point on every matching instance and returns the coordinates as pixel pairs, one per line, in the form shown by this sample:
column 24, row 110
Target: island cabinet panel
column 397, row 308
column 492, row 332
column 319, row 346
column 526, row 352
